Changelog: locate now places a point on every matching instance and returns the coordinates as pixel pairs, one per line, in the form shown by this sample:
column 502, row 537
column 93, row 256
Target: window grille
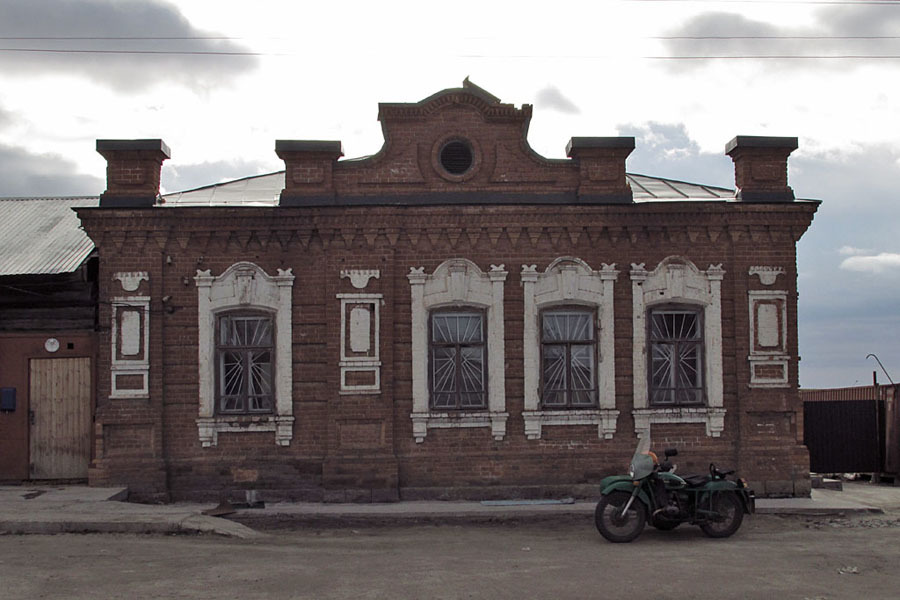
column 244, row 347
column 676, row 357
column 457, row 353
column 568, row 355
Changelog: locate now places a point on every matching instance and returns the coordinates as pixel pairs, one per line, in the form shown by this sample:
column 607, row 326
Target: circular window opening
column 456, row 157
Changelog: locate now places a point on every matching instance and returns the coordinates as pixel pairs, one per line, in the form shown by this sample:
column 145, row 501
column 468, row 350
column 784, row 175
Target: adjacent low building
column 455, row 316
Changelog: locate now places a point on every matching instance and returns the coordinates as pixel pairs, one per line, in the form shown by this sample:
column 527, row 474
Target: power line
column 678, row 57
column 186, row 52
column 650, row 37
column 837, row 2
column 773, row 37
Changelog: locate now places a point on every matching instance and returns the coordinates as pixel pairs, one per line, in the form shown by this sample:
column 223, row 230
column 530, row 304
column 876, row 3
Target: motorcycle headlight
column 631, row 470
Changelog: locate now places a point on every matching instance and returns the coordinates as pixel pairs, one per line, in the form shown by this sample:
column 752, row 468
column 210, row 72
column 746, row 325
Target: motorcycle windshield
column 642, row 462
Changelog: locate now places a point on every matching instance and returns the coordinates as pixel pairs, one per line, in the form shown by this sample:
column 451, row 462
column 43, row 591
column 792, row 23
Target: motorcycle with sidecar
column 653, row 492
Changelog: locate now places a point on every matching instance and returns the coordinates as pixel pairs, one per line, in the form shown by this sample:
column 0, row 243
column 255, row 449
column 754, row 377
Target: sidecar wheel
column 615, row 526
column 730, row 514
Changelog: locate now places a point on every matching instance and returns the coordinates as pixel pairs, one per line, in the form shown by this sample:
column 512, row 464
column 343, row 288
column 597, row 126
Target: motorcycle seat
column 696, row 480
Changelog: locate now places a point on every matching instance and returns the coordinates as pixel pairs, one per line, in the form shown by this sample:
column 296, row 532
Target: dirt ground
column 770, row 557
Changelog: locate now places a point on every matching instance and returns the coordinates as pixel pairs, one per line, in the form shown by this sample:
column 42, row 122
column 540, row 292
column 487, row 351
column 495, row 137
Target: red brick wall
column 328, row 457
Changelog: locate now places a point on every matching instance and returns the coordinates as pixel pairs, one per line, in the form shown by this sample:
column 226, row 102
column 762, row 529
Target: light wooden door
column 60, row 404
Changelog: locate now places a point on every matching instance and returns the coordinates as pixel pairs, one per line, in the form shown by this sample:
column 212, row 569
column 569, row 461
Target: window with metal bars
column 676, row 356
column 568, row 359
column 457, row 360
column 244, row 363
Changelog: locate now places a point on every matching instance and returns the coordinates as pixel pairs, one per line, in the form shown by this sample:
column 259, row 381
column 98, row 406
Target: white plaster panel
column 360, row 329
column 130, row 347
column 458, row 282
column 767, row 326
column 768, row 338
column 130, row 335
column 360, row 340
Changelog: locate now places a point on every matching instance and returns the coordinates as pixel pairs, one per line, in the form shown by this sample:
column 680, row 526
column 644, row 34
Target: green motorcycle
column 653, row 492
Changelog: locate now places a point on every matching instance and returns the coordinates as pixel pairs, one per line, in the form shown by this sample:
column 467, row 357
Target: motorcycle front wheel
column 727, row 518
column 615, row 525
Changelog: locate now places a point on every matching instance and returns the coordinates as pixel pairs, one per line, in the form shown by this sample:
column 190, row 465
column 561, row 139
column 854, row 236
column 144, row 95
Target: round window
column 456, row 157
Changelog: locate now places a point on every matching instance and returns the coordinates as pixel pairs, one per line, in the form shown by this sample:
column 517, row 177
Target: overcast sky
column 316, row 70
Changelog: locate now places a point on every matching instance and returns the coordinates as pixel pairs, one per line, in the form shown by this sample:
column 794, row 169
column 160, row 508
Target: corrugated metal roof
column 42, row 236
column 263, row 190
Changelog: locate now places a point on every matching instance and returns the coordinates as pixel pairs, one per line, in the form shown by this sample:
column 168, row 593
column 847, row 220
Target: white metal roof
column 42, row 236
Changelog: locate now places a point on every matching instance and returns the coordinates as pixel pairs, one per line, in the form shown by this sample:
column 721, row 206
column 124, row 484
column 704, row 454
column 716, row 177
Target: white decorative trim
column 359, row 278
column 458, row 282
column 245, row 285
column 369, row 359
column 767, row 275
column 136, row 339
column 422, row 422
column 713, row 418
column 210, row 427
column 768, row 338
column 569, row 280
column 678, row 280
column 605, row 419
column 131, row 281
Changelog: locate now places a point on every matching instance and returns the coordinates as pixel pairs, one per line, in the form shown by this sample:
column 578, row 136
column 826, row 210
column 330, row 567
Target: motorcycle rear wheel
column 730, row 514
column 615, row 526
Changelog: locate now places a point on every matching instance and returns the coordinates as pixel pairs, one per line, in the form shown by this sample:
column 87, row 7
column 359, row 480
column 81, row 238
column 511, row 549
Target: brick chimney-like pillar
column 132, row 171
column 601, row 162
column 308, row 167
column 760, row 167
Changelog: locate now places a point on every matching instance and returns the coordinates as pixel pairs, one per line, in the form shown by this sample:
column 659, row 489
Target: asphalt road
column 770, row 557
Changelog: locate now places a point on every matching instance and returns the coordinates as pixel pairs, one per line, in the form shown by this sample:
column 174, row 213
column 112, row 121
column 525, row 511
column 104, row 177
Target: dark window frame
column 245, row 351
column 677, row 393
column 568, row 391
column 458, row 405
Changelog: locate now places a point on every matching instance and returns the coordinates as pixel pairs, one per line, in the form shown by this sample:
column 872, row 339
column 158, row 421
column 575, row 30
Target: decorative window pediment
column 676, row 281
column 570, row 282
column 244, row 286
column 457, row 283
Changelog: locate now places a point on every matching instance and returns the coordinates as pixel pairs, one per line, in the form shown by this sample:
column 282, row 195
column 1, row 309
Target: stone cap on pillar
column 601, row 162
column 132, row 171
column 308, row 169
column 760, row 167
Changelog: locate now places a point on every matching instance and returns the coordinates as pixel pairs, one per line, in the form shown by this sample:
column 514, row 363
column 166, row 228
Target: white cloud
column 851, row 251
column 550, row 97
column 877, row 263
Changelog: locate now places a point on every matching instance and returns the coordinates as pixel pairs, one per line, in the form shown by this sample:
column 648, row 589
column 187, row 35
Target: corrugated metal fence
column 852, row 430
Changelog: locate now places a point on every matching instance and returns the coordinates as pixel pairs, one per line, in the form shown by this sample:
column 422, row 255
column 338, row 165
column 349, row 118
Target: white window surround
column 244, row 285
column 458, row 282
column 569, row 281
column 677, row 280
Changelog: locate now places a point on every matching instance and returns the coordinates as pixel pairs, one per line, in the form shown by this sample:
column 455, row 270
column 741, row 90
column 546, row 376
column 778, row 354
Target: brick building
column 454, row 316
